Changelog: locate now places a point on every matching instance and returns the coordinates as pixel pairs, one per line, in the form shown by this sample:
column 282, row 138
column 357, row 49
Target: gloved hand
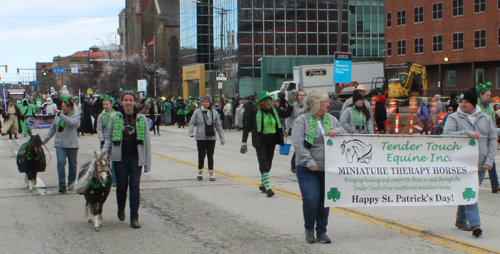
column 244, row 148
column 102, row 142
column 291, row 97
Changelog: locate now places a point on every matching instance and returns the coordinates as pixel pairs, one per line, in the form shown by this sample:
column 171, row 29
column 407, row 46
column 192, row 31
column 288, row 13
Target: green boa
column 488, row 110
column 62, row 123
column 118, row 128
column 259, row 119
column 107, row 115
column 313, row 125
column 96, row 184
column 356, row 117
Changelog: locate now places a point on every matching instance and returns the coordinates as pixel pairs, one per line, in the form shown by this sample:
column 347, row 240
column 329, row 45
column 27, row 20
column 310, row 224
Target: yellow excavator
column 405, row 85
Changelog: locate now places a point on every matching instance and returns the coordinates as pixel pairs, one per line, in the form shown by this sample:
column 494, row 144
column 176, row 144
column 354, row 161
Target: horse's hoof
column 100, row 225
column 96, row 229
column 89, row 221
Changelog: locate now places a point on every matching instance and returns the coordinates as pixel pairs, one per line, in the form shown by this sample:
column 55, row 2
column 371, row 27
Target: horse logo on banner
column 357, row 148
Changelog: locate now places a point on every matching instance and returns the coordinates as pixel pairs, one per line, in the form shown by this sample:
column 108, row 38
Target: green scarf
column 62, row 123
column 488, row 110
column 259, row 119
column 118, row 129
column 107, row 115
column 356, row 117
column 313, row 126
column 96, row 184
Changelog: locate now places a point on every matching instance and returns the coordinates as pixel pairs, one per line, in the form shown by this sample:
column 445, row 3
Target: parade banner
column 40, row 121
column 400, row 171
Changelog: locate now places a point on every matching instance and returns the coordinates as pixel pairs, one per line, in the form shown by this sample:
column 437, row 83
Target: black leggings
column 206, row 147
column 265, row 153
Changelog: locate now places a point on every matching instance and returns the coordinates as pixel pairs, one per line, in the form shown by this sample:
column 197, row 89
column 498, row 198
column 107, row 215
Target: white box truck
column 320, row 76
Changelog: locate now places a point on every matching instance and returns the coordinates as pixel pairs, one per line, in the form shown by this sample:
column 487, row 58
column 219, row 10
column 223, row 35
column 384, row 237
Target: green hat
column 264, row 95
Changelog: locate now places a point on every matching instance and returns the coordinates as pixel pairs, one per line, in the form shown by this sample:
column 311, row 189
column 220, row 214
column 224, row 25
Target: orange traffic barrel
column 413, row 105
column 374, row 102
column 496, row 100
column 433, row 105
column 392, row 106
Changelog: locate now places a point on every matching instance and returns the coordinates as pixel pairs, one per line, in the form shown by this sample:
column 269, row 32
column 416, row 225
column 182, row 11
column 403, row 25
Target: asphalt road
column 182, row 215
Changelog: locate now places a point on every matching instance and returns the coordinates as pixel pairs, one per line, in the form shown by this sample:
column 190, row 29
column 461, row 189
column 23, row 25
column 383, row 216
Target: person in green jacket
column 28, row 110
column 181, row 114
column 167, row 112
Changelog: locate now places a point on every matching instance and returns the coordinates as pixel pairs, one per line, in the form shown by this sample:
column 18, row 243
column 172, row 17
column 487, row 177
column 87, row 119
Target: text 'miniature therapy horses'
column 31, row 159
column 94, row 182
column 358, row 148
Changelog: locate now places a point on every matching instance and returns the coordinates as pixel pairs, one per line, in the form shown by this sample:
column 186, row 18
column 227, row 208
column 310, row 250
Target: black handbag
column 209, row 129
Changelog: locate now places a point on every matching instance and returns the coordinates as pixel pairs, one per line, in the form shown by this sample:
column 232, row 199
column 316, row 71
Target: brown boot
column 495, row 189
column 15, row 136
column 10, row 136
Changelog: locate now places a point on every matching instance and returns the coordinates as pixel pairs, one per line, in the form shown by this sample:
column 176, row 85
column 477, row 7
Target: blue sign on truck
column 342, row 67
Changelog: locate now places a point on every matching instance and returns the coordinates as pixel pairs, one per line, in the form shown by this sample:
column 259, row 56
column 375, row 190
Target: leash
column 50, row 157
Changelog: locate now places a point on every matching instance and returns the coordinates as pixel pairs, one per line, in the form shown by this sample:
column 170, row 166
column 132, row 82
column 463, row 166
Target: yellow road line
column 381, row 221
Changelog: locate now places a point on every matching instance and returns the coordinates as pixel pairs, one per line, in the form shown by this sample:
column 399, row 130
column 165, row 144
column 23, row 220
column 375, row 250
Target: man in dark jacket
column 335, row 106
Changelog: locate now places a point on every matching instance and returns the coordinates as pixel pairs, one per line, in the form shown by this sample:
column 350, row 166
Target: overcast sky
column 35, row 31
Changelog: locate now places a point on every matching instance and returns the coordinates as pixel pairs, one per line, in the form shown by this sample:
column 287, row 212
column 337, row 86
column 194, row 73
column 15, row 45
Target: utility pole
column 222, row 13
column 340, row 10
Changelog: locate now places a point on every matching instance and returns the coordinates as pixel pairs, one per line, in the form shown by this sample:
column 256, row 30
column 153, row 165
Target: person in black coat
column 86, row 120
column 267, row 131
column 155, row 115
column 380, row 114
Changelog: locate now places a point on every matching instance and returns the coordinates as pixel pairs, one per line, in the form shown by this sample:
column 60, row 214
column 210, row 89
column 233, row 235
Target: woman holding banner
column 356, row 117
column 308, row 141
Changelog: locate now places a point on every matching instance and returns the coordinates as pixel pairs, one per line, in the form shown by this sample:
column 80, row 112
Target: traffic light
column 44, row 72
column 18, row 73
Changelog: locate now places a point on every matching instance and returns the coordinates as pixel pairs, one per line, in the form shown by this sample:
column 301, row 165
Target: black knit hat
column 470, row 96
column 356, row 97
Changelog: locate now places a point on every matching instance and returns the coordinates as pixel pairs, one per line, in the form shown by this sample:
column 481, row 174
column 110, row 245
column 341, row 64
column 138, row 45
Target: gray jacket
column 197, row 120
column 459, row 123
column 295, row 113
column 349, row 103
column 68, row 138
column 101, row 127
column 347, row 122
column 316, row 154
column 335, row 104
column 144, row 150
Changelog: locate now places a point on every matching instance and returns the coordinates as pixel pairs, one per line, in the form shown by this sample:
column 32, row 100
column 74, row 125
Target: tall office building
column 256, row 32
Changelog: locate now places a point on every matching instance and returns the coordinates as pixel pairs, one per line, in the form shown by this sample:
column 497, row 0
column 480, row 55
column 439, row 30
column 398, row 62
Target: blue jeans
column 71, row 155
column 312, row 187
column 128, row 175
column 470, row 213
column 493, row 176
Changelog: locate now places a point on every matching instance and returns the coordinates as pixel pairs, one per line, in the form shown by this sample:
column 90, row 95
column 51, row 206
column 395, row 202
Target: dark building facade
column 143, row 20
column 254, row 31
column 458, row 41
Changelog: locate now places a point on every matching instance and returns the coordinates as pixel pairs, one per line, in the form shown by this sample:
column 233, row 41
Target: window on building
column 458, row 41
column 389, row 48
column 437, row 11
column 402, row 18
column 480, row 39
column 479, row 76
column 451, row 78
column 389, row 19
column 498, row 4
column 499, row 33
column 498, row 74
column 401, row 47
column 458, row 8
column 419, row 45
column 419, row 14
column 479, row 6
column 437, row 43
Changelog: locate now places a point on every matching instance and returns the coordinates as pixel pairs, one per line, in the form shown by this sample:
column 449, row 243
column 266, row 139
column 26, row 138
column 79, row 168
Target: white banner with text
column 400, row 171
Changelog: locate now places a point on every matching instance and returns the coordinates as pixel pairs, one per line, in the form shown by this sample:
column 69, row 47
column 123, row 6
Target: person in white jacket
column 50, row 107
column 227, row 116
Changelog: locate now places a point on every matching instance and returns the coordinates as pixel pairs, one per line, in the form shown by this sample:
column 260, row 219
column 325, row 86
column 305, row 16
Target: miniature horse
column 31, row 159
column 97, row 181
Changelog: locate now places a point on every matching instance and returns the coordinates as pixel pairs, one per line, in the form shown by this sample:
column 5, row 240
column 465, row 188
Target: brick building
column 457, row 40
